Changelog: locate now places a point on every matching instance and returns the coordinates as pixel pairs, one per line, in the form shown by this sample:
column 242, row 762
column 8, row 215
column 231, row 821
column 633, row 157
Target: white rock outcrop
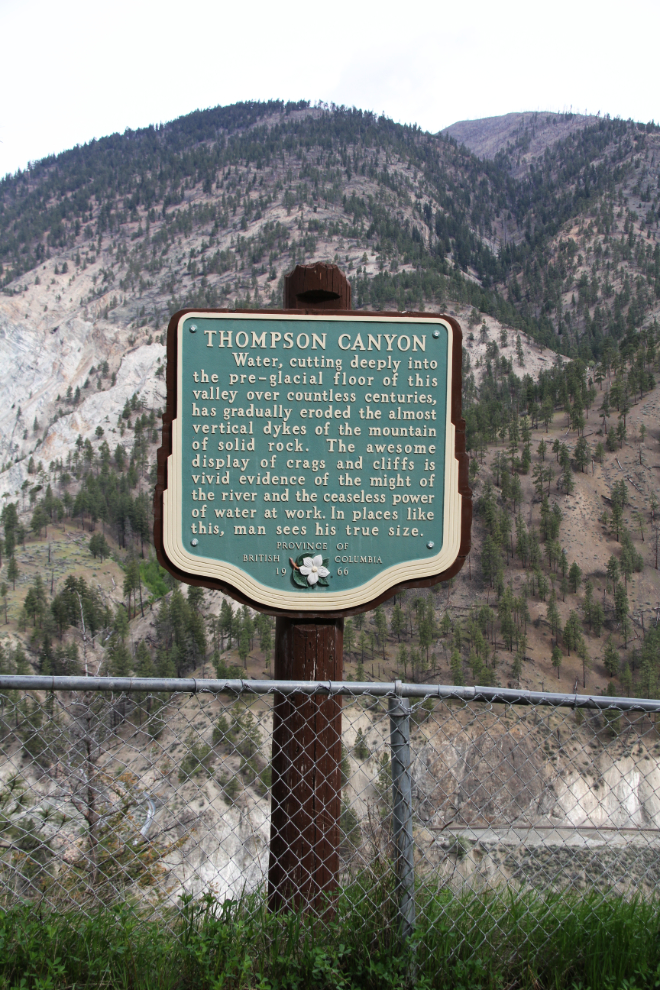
column 40, row 363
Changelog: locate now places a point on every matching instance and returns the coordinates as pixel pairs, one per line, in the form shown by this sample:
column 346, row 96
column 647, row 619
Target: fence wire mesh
column 142, row 797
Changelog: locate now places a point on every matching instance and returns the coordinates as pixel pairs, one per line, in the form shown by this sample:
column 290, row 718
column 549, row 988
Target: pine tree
column 195, row 598
column 131, row 584
column 585, row 658
column 476, row 664
column 98, row 546
column 456, row 666
column 445, row 625
column 574, row 577
column 547, row 413
column 627, row 680
column 612, row 571
column 572, row 632
column 557, row 657
column 143, row 663
column 627, row 562
column 490, row 558
column 167, row 662
column 265, row 636
column 226, row 617
column 13, row 571
column 611, row 658
column 552, row 615
column 567, row 482
column 517, row 665
column 21, row 663
column 620, row 603
column 427, row 627
column 247, row 624
column 522, row 541
column 244, row 644
column 516, row 492
column 402, row 661
column 380, row 621
column 582, row 453
column 119, row 658
column 617, row 517
column 398, row 621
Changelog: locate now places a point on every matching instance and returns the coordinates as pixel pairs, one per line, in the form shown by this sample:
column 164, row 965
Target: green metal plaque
column 310, row 463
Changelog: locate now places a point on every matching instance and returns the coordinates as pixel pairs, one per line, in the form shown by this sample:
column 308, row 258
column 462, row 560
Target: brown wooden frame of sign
column 459, row 451
column 306, row 744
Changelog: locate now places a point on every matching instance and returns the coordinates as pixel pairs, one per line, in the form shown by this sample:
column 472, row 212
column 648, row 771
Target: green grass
column 476, row 942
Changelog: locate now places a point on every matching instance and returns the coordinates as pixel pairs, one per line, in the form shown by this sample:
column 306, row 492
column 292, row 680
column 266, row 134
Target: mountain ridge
column 552, row 269
column 526, row 133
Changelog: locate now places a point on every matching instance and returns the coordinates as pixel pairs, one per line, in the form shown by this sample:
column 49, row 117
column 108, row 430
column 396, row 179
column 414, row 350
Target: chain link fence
column 459, row 806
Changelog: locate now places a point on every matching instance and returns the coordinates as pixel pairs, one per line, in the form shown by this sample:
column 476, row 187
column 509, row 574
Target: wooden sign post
column 313, row 464
column 306, row 763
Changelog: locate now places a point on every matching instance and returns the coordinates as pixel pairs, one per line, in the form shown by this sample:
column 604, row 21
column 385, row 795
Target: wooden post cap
column 318, row 286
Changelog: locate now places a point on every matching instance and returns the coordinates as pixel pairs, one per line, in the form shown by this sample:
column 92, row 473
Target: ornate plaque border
column 229, row 578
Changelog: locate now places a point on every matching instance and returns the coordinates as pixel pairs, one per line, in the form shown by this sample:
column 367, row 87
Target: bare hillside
column 525, row 135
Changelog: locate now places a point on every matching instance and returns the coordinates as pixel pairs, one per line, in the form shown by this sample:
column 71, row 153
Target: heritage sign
column 312, row 463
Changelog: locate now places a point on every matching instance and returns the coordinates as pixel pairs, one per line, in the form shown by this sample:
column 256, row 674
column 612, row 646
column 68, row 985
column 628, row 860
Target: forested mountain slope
column 251, row 189
column 546, row 247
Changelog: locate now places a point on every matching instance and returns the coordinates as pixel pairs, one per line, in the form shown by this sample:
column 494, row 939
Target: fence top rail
column 378, row 689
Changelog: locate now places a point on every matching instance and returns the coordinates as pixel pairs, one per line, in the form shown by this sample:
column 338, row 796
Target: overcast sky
column 74, row 70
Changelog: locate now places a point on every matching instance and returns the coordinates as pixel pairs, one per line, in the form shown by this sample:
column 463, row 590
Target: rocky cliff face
column 534, row 771
column 42, row 363
column 522, row 800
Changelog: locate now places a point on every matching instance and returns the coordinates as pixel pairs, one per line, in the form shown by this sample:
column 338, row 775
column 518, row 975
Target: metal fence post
column 399, row 711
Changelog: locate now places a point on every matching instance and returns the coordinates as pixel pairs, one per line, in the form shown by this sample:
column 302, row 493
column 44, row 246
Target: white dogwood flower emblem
column 313, row 569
